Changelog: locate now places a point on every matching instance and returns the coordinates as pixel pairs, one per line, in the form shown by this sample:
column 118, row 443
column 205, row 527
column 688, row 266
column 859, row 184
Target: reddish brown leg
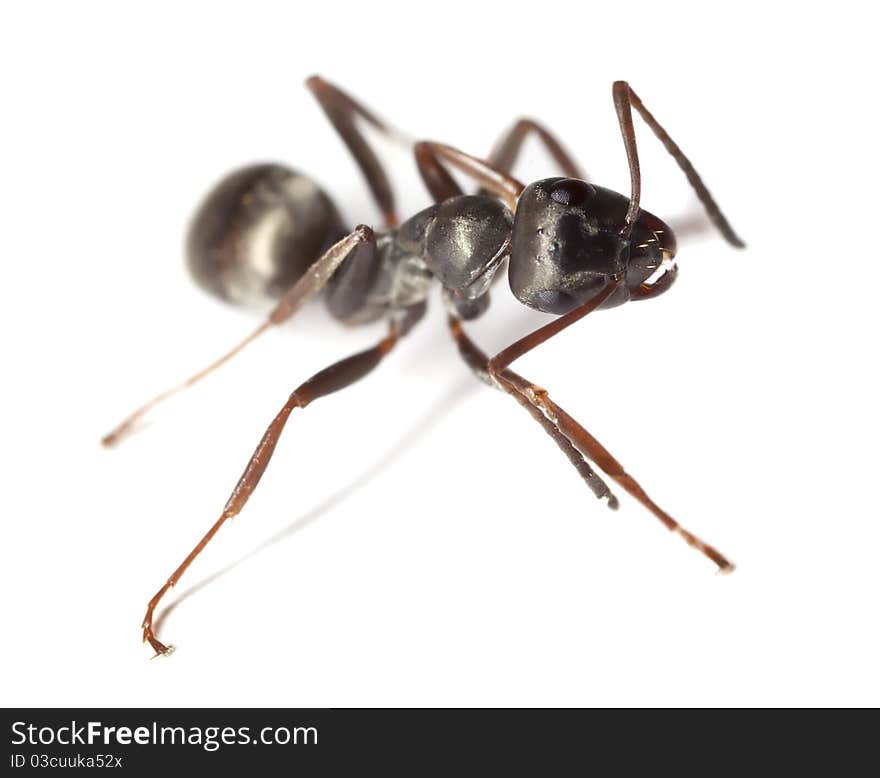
column 624, row 101
column 506, row 152
column 434, row 160
column 343, row 112
column 479, row 363
column 331, row 379
column 592, row 448
column 431, row 158
column 362, row 239
column 519, row 387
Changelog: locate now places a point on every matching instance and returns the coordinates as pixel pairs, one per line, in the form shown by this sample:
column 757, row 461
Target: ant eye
column 570, row 191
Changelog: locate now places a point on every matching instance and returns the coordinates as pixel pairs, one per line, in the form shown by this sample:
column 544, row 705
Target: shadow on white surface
column 420, row 430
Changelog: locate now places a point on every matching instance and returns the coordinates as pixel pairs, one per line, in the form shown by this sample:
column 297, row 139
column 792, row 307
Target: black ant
column 572, row 247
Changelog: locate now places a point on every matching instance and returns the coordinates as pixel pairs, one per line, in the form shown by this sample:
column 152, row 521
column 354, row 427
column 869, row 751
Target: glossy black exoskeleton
column 570, row 245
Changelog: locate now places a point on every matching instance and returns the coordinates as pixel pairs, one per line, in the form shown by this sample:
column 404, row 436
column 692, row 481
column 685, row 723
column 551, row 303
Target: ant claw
column 164, row 651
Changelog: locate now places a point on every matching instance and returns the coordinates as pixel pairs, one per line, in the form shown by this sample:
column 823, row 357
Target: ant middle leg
column 331, row 379
column 434, row 161
column 506, row 151
column 343, row 111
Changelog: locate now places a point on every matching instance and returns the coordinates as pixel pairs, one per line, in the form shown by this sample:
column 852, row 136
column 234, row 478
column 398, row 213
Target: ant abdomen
column 258, row 230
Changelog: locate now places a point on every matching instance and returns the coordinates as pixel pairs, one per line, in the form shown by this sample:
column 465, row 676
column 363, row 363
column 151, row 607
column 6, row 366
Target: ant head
column 567, row 244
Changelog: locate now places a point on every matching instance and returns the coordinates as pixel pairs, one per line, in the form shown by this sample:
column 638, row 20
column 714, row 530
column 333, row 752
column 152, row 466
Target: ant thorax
column 462, row 241
column 373, row 282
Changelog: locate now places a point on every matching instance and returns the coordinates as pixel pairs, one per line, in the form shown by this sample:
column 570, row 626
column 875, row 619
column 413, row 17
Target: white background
column 417, row 540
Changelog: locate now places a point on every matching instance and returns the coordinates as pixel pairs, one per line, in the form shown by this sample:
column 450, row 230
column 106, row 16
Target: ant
column 572, row 247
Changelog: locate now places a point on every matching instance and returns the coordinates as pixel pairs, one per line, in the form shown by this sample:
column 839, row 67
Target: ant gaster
column 572, row 247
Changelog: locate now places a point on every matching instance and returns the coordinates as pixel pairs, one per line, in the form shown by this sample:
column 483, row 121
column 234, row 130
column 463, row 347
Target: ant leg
column 592, row 448
column 331, row 379
column 524, row 395
column 506, row 151
column 314, row 280
column 434, row 159
column 342, row 110
column 624, row 101
column 580, row 437
column 527, row 394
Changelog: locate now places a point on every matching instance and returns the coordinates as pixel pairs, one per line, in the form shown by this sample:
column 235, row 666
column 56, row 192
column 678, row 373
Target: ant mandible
column 572, row 247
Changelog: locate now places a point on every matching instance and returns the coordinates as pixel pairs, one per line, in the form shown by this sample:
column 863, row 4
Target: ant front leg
column 498, row 369
column 433, row 159
column 331, row 379
column 523, row 392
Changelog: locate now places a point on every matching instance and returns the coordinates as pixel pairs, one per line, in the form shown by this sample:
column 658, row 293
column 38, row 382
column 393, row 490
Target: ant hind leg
column 331, row 379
